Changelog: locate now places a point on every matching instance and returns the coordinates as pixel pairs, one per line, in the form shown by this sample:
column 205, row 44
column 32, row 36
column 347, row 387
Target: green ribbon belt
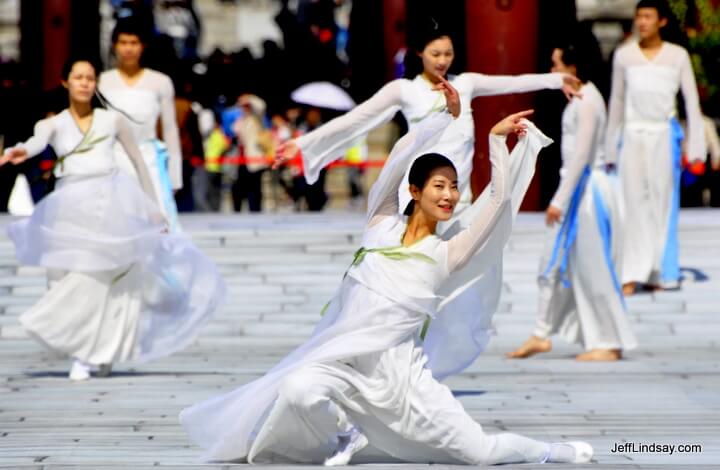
column 397, row 253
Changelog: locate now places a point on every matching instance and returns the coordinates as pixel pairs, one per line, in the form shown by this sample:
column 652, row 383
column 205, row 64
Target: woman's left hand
column 452, row 97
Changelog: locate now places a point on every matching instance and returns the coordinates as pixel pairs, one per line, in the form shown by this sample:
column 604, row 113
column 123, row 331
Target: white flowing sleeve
column 585, row 142
column 383, row 197
column 127, row 140
column 498, row 208
column 696, row 147
column 490, row 85
column 616, row 109
column 713, row 141
column 325, row 144
column 42, row 133
column 170, row 132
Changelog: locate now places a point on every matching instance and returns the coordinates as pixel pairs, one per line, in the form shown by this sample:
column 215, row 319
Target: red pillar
column 501, row 39
column 394, row 12
column 56, row 16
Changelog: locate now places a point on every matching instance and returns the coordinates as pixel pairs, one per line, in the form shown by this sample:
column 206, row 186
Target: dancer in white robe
column 644, row 139
column 145, row 96
column 580, row 293
column 120, row 288
column 359, row 388
column 418, row 99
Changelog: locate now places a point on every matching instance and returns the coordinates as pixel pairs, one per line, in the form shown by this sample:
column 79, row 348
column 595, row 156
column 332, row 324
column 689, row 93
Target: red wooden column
column 501, row 39
column 394, row 13
column 56, row 23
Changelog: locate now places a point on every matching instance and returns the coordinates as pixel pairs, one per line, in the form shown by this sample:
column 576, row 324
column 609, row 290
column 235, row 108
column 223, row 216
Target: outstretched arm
column 491, row 85
column 325, row 144
column 33, row 146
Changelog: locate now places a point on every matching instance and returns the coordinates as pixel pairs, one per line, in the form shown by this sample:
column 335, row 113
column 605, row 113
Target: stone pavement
column 281, row 269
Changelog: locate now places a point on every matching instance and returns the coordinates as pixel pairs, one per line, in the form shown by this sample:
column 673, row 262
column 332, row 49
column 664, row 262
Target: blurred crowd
column 234, row 110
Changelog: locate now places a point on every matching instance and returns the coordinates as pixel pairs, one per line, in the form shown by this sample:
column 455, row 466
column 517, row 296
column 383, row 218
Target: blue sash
column 167, row 197
column 568, row 231
column 670, row 268
column 602, row 215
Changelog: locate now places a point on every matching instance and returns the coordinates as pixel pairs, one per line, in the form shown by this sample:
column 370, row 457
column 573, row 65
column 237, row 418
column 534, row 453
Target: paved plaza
column 280, row 271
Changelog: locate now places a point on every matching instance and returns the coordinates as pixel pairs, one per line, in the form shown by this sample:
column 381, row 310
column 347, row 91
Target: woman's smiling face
column 438, row 198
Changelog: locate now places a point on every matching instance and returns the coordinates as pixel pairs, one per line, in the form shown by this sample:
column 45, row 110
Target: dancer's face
column 559, row 66
column 128, row 49
column 438, row 198
column 437, row 57
column 81, row 82
column 648, row 22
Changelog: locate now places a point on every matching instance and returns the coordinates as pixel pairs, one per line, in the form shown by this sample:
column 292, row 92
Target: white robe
column 474, row 294
column 122, row 289
column 584, row 304
column 643, row 139
column 364, row 366
column 150, row 99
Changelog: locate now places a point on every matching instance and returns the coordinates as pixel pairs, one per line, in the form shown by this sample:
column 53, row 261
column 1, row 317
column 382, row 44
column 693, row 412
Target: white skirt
column 132, row 292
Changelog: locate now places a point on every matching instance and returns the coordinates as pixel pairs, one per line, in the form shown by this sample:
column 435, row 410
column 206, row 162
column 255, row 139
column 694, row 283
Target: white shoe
column 570, row 452
column 79, row 370
column 347, row 447
column 104, row 370
column 583, row 451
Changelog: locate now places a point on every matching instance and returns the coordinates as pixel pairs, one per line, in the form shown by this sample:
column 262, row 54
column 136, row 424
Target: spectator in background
column 191, row 142
column 255, row 142
column 313, row 194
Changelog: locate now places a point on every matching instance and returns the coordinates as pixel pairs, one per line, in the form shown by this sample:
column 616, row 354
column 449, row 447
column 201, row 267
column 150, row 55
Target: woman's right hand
column 512, row 123
column 285, row 152
column 14, row 155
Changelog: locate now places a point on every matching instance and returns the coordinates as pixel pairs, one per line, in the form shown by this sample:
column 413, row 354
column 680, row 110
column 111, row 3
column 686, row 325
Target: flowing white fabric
column 20, row 201
column 642, row 104
column 129, row 291
column 364, row 365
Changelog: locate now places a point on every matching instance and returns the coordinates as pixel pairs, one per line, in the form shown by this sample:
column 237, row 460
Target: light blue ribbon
column 166, row 191
column 670, row 268
column 568, row 231
column 604, row 223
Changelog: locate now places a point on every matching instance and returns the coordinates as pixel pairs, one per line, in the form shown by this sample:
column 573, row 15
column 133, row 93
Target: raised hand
column 512, row 124
column 14, row 156
column 285, row 152
column 571, row 87
column 452, row 97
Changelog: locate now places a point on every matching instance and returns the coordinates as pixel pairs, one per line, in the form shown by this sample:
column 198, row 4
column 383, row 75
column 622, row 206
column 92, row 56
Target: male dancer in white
column 644, row 139
column 580, row 293
column 145, row 97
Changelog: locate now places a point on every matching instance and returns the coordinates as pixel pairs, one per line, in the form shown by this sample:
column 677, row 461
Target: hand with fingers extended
column 14, row 155
column 285, row 152
column 571, row 87
column 452, row 97
column 512, row 124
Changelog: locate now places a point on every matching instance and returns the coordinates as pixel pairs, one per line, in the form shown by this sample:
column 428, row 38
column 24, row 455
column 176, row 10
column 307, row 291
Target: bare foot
column 532, row 346
column 629, row 288
column 600, row 355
